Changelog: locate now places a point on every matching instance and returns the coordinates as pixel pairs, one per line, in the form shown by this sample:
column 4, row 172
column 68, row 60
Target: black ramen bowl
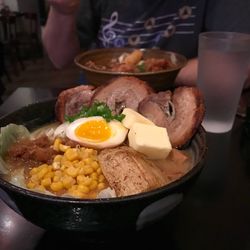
column 159, row 80
column 51, row 212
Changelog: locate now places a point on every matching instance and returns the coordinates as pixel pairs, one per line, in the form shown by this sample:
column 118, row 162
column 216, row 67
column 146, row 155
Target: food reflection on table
column 112, row 141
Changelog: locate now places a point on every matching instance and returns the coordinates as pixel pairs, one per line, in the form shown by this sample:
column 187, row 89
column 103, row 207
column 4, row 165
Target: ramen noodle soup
column 50, row 163
column 105, row 147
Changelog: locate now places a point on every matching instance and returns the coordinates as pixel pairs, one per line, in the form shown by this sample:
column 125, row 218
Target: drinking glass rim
column 223, row 35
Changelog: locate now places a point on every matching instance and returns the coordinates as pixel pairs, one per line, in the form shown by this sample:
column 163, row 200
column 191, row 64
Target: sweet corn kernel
column 58, row 172
column 93, row 185
column 87, row 160
column 68, row 181
column 71, row 154
column 94, row 176
column 76, row 193
column 101, row 186
column 87, row 181
column 50, row 168
column 42, row 166
column 34, row 179
column 94, row 165
column 74, row 187
column 40, row 188
column 49, row 175
column 80, row 164
column 82, row 188
column 81, row 170
column 34, row 171
column 56, row 144
column 56, row 178
column 56, row 165
column 63, row 159
column 31, row 185
column 89, row 151
column 42, row 172
column 88, row 170
column 56, row 186
column 57, row 158
column 67, row 164
column 101, row 178
column 92, row 195
column 46, row 182
column 82, row 155
column 63, row 167
column 72, row 171
column 80, row 179
column 63, row 148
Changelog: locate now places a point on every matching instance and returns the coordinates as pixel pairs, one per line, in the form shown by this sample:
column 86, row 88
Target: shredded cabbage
column 3, row 167
column 8, row 136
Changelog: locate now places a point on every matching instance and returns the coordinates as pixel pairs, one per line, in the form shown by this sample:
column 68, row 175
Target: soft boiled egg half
column 96, row 132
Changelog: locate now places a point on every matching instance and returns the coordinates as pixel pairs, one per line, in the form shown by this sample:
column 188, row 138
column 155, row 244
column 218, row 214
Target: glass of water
column 223, row 65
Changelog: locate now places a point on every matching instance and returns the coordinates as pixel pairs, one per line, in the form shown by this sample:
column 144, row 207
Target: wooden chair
column 29, row 39
column 10, row 41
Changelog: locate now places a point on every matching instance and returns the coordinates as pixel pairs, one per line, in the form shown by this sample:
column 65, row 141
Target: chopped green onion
column 141, row 66
column 96, row 109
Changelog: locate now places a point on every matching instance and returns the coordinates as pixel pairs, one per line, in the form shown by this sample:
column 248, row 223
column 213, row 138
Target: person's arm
column 59, row 35
column 247, row 82
column 188, row 74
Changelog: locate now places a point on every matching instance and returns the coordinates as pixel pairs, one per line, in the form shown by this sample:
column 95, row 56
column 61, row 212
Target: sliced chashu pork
column 129, row 172
column 70, row 101
column 123, row 92
column 180, row 112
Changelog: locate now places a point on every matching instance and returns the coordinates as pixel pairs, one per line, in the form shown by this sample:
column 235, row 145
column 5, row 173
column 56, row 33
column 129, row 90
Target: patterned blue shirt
column 171, row 25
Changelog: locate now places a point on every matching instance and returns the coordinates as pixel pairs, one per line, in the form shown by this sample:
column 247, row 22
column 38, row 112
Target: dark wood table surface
column 214, row 214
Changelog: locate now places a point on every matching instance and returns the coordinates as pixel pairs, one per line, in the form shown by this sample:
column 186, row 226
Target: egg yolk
column 94, row 130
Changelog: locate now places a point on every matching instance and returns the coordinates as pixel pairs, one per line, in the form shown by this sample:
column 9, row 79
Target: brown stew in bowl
column 133, row 62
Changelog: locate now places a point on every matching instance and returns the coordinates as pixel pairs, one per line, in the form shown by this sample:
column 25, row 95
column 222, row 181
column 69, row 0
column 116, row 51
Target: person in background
column 170, row 25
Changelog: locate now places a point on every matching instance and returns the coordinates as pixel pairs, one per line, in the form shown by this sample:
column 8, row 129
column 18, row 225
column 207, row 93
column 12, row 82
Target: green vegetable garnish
column 96, row 109
column 141, row 66
column 8, row 136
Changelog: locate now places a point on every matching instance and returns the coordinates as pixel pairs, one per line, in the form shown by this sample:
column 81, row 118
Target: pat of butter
column 132, row 117
column 151, row 140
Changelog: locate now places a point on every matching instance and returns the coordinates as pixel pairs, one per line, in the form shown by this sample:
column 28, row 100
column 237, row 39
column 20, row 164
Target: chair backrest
column 8, row 25
column 32, row 20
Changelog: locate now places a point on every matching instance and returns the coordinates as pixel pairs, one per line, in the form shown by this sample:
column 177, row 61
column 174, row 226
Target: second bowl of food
column 157, row 67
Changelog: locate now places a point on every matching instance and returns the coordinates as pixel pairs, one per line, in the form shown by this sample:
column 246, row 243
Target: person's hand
column 188, row 74
column 247, row 82
column 66, row 7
